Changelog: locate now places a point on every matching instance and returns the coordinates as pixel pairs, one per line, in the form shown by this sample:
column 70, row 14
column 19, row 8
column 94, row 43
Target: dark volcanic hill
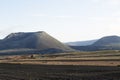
column 105, row 43
column 108, row 41
column 32, row 41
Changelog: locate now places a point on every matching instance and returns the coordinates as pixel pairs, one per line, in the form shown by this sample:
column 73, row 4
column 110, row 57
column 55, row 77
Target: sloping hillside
column 32, row 41
column 105, row 43
column 108, row 41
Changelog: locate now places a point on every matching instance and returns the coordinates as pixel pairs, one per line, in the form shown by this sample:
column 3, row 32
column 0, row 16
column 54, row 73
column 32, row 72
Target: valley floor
column 103, row 65
column 115, row 62
column 57, row 72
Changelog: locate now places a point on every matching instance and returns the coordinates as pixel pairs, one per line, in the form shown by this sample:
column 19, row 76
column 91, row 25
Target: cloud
column 95, row 1
column 113, row 2
column 39, row 15
column 55, row 16
column 108, row 2
column 67, row 16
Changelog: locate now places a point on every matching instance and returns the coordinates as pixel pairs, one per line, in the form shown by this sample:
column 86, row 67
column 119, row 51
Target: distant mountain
column 105, row 43
column 108, row 41
column 32, row 42
column 81, row 43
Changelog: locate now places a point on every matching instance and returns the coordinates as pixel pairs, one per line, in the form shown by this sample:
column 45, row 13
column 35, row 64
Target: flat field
column 57, row 72
column 99, row 65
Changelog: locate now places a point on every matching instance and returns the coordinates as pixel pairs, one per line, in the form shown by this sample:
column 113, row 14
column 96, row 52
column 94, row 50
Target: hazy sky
column 66, row 20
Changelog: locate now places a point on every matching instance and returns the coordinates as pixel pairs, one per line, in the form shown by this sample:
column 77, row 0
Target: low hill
column 105, row 43
column 108, row 41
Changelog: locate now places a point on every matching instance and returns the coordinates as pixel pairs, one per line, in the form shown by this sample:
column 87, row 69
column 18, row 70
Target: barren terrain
column 100, row 65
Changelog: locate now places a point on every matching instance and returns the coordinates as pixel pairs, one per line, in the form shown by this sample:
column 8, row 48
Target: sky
column 66, row 20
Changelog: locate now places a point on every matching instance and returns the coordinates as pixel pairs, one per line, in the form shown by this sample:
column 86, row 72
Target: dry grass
column 99, row 58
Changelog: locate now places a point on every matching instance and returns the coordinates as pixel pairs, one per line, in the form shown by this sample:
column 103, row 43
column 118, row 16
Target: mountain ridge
column 81, row 43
